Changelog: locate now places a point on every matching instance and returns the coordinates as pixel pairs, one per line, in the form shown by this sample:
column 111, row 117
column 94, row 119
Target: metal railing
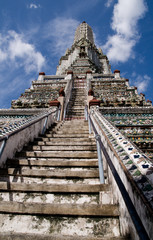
column 127, row 200
column 27, row 125
column 68, row 92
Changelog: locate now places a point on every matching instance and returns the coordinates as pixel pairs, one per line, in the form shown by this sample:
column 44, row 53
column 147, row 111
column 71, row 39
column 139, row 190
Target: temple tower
column 76, row 152
column 84, row 53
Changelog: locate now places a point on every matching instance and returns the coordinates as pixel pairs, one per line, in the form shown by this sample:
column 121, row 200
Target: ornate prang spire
column 84, row 31
column 84, row 53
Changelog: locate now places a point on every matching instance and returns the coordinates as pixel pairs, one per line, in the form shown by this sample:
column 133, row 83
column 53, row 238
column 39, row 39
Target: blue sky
column 34, row 34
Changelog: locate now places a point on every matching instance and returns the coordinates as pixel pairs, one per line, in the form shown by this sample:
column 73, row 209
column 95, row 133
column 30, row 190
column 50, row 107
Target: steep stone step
column 62, row 209
column 53, row 173
column 62, row 143
column 81, row 105
column 48, row 180
column 76, row 123
column 19, row 236
column 62, row 148
column 68, row 135
column 73, row 108
column 77, row 127
column 66, row 139
column 80, row 101
column 77, row 97
column 78, row 90
column 73, row 125
column 77, row 107
column 53, row 163
column 75, row 116
column 75, row 111
column 65, row 227
column 53, row 188
column 52, row 198
column 77, row 100
column 66, row 131
column 77, row 104
column 58, row 154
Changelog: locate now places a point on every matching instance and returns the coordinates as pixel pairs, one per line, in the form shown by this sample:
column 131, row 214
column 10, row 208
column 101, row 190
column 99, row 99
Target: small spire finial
column 84, row 22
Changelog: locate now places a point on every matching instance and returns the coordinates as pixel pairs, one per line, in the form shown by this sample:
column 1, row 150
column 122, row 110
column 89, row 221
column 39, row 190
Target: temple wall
column 16, row 142
column 106, row 66
column 126, row 224
column 67, row 62
column 94, row 57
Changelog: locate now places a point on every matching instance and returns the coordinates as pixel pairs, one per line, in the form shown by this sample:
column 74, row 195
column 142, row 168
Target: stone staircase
column 51, row 190
column 77, row 101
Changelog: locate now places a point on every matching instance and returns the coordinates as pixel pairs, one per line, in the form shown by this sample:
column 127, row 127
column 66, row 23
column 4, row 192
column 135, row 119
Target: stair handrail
column 26, row 125
column 68, row 92
column 141, row 231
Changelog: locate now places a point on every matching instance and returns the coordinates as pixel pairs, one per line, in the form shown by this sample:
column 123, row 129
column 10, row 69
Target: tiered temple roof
column 41, row 92
column 112, row 90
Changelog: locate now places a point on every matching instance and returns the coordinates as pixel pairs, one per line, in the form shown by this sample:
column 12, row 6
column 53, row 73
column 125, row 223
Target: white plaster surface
column 60, row 225
column 50, row 198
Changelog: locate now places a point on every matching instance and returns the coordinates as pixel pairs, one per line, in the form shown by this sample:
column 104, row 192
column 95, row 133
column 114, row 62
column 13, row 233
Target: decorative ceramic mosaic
column 10, row 123
column 116, row 92
column 137, row 163
column 40, row 94
column 137, row 127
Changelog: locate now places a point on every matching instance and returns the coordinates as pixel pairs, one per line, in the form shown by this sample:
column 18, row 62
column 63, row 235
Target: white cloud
column 141, row 82
column 15, row 50
column 3, row 55
column 119, row 49
column 32, row 5
column 61, row 32
column 20, row 62
column 124, row 23
column 108, row 3
column 126, row 15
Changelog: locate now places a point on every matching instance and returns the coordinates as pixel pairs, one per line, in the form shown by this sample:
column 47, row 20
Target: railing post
column 2, row 147
column 45, row 124
column 59, row 113
column 89, row 123
column 100, row 161
column 86, row 113
column 65, row 110
column 72, row 83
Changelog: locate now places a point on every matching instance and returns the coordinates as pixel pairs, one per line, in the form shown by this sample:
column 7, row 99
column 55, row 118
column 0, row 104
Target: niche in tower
column 82, row 53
